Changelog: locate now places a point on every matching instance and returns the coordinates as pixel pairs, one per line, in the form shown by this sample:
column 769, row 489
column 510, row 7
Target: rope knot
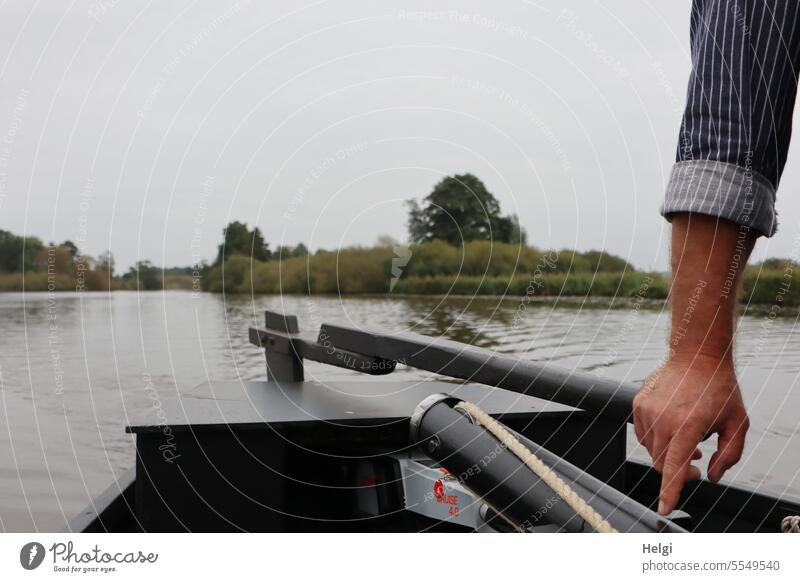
column 791, row 524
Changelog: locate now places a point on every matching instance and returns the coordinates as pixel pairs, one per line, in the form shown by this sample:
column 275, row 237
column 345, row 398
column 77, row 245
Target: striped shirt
column 737, row 124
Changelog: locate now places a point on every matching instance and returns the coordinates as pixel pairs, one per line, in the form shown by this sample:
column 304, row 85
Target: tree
column 73, row 249
column 283, row 252
column 55, row 259
column 18, row 253
column 460, row 209
column 511, row 231
column 300, row 250
column 238, row 240
column 106, row 262
column 145, row 275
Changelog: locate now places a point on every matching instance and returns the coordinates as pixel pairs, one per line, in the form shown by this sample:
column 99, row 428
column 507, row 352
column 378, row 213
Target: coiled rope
column 791, row 524
column 535, row 464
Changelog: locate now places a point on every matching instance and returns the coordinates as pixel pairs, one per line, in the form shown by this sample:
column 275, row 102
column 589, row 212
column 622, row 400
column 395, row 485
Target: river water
column 75, row 367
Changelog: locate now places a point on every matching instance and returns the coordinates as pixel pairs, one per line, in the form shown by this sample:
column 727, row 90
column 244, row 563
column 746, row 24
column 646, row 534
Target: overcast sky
column 144, row 127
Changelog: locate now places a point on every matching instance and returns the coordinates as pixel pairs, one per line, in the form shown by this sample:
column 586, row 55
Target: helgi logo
column 31, row 555
column 401, row 259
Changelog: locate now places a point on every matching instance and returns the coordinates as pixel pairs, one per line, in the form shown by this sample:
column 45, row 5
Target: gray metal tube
column 457, row 360
column 475, row 457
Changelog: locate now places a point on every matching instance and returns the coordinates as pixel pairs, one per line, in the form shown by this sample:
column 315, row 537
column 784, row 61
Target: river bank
column 660, row 304
column 477, row 268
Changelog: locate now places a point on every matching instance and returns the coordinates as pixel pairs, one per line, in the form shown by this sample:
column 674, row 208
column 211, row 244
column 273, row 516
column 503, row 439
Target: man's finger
column 659, row 451
column 730, row 445
column 693, row 474
column 676, row 465
column 638, row 427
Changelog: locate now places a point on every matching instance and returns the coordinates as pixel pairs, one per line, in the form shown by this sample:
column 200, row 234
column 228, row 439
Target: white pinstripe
column 721, row 148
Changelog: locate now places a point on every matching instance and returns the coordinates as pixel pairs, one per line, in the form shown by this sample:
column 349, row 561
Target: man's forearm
column 708, row 258
column 733, row 142
column 695, row 392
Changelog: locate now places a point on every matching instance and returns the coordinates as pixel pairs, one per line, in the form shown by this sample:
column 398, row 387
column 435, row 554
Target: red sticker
column 438, row 489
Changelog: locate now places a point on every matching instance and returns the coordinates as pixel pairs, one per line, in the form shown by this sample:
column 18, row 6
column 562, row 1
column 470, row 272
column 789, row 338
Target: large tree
column 461, row 209
column 18, row 253
column 238, row 240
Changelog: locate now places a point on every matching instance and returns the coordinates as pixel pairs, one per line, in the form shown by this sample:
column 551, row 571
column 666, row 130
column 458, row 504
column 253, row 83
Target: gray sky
column 146, row 127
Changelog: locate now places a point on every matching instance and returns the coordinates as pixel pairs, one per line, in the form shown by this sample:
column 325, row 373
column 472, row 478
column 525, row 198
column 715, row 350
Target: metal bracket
column 286, row 349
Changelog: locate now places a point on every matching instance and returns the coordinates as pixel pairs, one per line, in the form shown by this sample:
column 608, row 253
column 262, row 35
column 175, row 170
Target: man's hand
column 681, row 404
column 694, row 394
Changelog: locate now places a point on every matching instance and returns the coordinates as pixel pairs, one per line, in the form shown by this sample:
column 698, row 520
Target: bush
column 649, row 286
column 434, row 268
column 432, row 259
column 771, row 288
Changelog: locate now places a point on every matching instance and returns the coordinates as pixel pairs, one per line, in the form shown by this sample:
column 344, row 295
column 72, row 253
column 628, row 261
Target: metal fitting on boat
column 423, row 407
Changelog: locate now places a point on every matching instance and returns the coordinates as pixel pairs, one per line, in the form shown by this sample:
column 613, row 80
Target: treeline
column 461, row 244
column 26, row 263
column 477, row 267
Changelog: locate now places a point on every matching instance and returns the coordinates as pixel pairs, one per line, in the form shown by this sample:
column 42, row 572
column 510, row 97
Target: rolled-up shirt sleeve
column 736, row 127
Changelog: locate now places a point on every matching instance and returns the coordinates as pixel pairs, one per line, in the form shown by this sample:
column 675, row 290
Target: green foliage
column 18, row 253
column 602, row 262
column 510, row 230
column 590, row 261
column 433, row 258
column 178, row 271
column 773, row 288
column 144, row 276
column 774, row 265
column 576, row 285
column 52, row 267
column 178, row 281
column 460, row 209
column 238, row 240
column 27, row 264
column 284, row 252
column 350, row 271
column 473, row 258
column 431, row 268
column 773, row 282
column 73, row 249
column 33, row 281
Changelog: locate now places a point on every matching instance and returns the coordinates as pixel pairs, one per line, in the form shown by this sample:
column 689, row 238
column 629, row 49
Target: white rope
column 535, row 464
column 791, row 524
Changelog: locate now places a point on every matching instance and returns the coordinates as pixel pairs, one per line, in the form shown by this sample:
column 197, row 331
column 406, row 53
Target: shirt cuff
column 723, row 190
